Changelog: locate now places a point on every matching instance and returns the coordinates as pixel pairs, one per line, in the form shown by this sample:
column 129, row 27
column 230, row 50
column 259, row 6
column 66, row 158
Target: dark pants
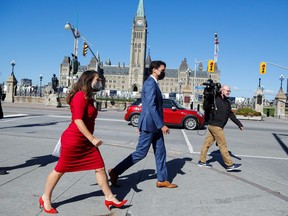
column 1, row 111
column 144, row 143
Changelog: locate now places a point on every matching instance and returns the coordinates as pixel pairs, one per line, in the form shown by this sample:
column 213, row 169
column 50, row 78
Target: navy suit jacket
column 151, row 117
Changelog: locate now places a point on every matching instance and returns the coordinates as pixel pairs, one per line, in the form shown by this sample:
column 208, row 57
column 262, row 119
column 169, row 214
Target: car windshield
column 178, row 105
column 167, row 103
column 137, row 102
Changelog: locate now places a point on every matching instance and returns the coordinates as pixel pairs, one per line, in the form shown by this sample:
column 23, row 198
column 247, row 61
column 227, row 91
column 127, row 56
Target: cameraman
column 218, row 117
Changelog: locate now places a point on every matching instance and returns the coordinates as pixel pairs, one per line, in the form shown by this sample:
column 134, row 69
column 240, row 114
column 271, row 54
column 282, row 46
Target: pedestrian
column 1, row 97
column 151, row 128
column 79, row 148
column 218, row 118
column 2, row 172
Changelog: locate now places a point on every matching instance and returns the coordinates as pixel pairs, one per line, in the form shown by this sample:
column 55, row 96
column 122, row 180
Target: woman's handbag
column 57, row 150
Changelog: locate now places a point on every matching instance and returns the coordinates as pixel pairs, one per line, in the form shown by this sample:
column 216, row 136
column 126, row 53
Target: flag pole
column 216, row 47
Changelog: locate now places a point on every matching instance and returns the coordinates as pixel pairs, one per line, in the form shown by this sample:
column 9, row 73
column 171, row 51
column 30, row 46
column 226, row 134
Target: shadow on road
column 131, row 181
column 41, row 161
column 282, row 144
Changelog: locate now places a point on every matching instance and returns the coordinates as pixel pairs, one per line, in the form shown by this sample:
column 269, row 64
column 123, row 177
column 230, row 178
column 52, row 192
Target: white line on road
column 191, row 150
column 114, row 120
column 253, row 156
column 190, row 147
column 97, row 119
column 9, row 118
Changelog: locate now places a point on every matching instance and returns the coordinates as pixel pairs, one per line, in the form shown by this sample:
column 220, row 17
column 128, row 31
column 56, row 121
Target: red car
column 174, row 114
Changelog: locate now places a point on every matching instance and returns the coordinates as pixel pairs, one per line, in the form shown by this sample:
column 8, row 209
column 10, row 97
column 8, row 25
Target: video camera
column 211, row 88
column 210, row 92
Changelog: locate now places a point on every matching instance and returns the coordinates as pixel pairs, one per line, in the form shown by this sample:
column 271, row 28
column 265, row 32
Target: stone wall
column 43, row 100
column 27, row 99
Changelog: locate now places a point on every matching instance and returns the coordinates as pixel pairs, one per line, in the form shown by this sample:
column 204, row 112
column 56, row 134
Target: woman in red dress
column 79, row 148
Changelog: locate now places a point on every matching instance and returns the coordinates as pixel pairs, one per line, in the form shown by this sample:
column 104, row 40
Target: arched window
column 135, row 88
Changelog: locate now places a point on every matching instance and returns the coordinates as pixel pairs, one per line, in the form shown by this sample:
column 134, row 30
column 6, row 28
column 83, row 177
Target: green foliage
column 118, row 99
column 269, row 110
column 247, row 112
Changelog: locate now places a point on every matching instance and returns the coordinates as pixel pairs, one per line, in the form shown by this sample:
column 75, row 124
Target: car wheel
column 134, row 119
column 190, row 123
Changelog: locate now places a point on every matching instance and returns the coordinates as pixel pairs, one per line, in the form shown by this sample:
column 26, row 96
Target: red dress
column 77, row 152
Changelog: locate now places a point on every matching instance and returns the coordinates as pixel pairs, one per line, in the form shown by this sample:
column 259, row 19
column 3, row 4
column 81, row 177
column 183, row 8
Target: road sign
column 199, row 87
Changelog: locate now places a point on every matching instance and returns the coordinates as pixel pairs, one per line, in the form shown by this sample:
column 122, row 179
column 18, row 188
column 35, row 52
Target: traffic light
column 85, row 47
column 263, row 68
column 211, row 66
column 75, row 66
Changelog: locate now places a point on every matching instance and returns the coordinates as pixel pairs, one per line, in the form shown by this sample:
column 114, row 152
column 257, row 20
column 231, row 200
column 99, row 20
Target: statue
column 55, row 83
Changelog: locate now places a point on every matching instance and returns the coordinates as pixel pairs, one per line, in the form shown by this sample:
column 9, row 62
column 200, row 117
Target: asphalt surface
column 28, row 134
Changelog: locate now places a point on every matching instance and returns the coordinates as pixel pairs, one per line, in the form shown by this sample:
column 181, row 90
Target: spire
column 140, row 10
column 184, row 65
column 148, row 59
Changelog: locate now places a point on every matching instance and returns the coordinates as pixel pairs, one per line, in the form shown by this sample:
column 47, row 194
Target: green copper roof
column 140, row 10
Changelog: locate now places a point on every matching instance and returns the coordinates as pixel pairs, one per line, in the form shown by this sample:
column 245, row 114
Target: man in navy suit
column 151, row 128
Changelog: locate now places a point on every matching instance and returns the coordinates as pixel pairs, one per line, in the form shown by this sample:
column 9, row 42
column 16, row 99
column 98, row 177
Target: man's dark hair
column 156, row 65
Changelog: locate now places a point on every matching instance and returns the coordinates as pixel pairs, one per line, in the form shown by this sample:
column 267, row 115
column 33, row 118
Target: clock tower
column 138, row 50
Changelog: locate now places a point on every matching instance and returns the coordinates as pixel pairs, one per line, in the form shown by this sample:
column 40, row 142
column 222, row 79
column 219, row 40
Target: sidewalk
column 201, row 191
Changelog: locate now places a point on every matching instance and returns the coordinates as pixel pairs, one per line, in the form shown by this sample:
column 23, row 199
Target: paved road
column 28, row 134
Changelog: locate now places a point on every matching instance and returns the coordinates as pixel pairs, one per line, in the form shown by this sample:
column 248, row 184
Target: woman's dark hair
column 83, row 84
column 156, row 65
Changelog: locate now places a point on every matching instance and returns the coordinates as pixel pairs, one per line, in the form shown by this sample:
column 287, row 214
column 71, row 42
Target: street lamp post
column 188, row 75
column 13, row 63
column 281, row 80
column 40, row 90
column 180, row 85
column 76, row 35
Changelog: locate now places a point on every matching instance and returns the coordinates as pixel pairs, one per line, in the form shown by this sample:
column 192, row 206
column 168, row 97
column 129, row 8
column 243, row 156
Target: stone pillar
column 53, row 100
column 259, row 98
column 187, row 91
column 280, row 104
column 11, row 88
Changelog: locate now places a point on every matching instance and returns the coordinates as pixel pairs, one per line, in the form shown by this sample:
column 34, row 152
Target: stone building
column 128, row 80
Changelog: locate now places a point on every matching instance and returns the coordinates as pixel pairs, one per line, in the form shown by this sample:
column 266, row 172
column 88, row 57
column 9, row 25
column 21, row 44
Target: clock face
column 139, row 22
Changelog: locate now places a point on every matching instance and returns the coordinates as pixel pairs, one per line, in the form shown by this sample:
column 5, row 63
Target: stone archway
column 135, row 88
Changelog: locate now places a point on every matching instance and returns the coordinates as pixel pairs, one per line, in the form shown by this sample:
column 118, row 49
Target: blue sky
column 249, row 31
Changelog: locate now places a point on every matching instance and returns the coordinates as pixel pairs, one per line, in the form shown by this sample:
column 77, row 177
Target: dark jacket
column 221, row 113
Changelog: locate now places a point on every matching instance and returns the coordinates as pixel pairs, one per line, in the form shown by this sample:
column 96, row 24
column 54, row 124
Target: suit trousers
column 144, row 143
column 216, row 133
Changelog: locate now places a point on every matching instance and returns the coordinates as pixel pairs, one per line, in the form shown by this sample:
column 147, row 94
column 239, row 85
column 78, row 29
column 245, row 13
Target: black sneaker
column 233, row 167
column 204, row 164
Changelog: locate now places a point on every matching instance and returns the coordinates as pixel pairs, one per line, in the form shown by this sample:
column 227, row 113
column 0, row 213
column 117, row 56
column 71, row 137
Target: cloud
column 235, row 88
column 270, row 92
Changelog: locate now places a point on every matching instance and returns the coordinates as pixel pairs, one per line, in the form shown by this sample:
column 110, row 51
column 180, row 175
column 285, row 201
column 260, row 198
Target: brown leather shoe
column 113, row 177
column 166, row 184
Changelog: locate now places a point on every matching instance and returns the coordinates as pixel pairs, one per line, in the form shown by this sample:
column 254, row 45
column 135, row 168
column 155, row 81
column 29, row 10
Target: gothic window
column 139, row 45
column 135, row 73
column 135, row 89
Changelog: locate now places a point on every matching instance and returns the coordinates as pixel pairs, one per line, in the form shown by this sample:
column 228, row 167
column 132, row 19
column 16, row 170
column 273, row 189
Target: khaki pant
column 216, row 133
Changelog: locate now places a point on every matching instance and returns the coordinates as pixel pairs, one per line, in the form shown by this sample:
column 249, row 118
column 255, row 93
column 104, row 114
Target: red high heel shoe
column 111, row 203
column 50, row 211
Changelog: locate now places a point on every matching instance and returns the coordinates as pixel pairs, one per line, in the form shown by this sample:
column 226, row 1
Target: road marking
column 97, row 119
column 252, row 156
column 114, row 120
column 190, row 147
column 14, row 117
